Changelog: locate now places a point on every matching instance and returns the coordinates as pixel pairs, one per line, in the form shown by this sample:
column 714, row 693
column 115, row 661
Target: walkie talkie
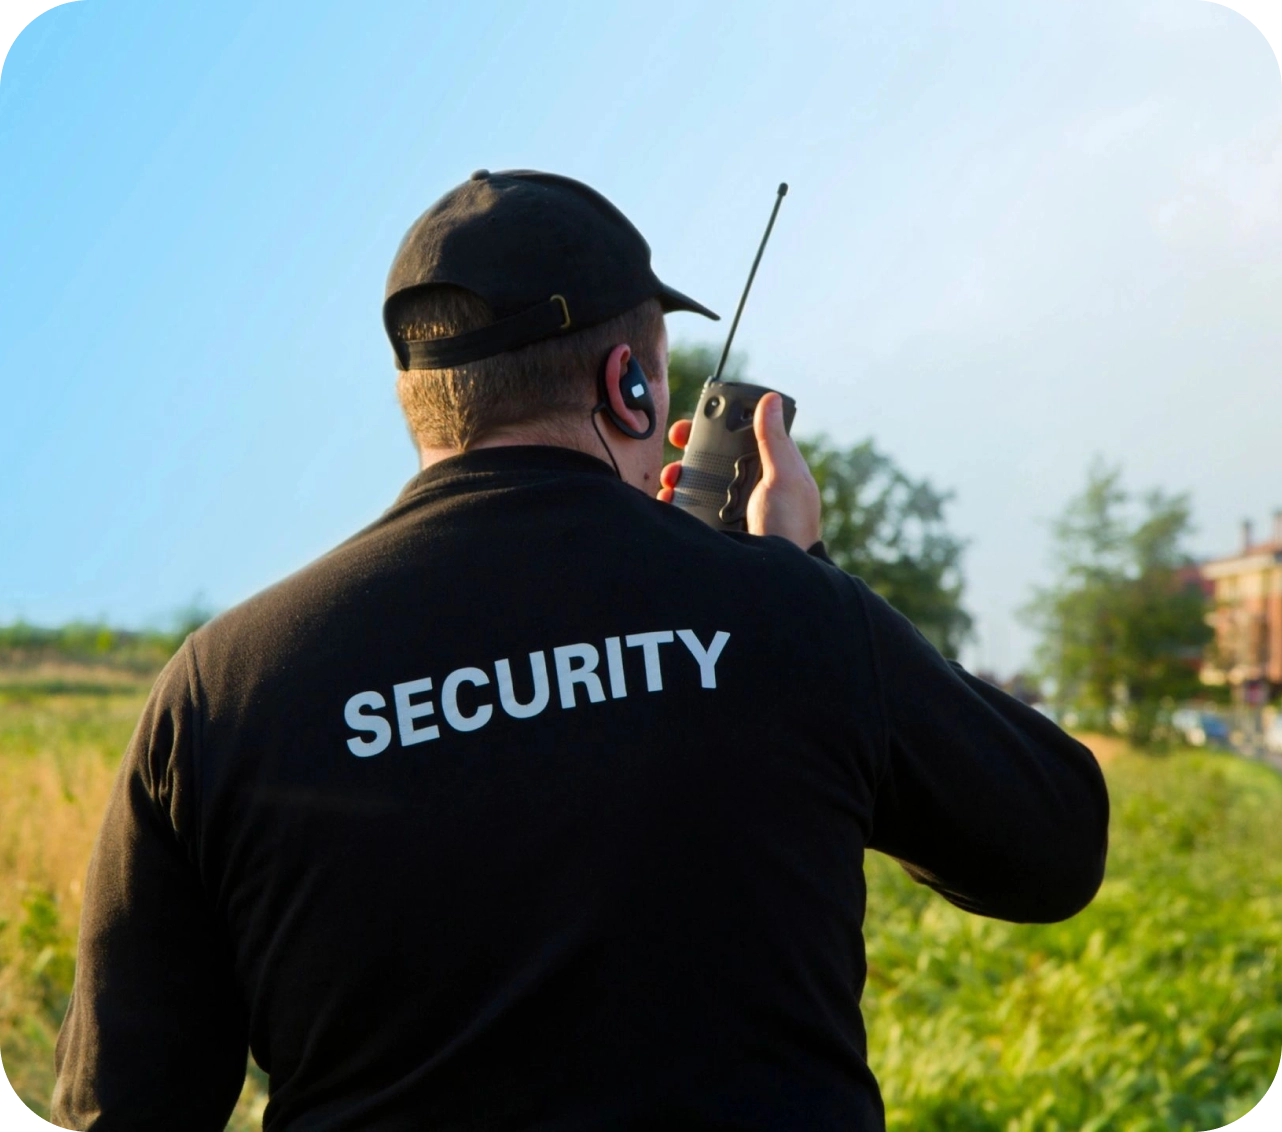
column 721, row 464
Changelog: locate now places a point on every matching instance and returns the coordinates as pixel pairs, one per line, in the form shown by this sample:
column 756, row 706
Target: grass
column 58, row 756
column 1158, row 1008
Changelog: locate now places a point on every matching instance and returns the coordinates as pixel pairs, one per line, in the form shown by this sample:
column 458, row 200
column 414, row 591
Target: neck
column 559, row 435
column 546, row 435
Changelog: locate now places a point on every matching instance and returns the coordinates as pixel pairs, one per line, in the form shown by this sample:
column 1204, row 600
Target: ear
column 614, row 399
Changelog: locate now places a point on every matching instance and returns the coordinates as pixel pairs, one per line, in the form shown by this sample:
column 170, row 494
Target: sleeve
column 155, row 1036
column 981, row 797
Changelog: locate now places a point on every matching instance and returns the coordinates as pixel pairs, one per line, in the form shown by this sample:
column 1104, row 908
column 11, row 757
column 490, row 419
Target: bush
column 1158, row 1007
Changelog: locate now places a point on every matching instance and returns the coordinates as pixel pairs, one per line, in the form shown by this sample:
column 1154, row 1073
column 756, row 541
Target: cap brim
column 671, row 300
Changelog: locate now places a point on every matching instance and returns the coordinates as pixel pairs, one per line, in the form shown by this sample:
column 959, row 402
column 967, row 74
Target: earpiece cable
column 601, row 438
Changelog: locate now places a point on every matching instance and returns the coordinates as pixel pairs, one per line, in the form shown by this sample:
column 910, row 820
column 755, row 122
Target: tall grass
column 58, row 758
column 1158, row 1009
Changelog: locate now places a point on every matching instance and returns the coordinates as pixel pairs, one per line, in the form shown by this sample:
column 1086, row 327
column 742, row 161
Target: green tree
column 1124, row 625
column 190, row 617
column 889, row 529
column 878, row 523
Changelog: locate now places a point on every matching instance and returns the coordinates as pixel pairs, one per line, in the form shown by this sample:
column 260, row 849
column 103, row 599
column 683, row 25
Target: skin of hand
column 786, row 501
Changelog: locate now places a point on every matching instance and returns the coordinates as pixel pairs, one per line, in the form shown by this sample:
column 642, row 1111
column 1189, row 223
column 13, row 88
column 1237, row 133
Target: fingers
column 786, row 502
column 678, row 437
column 668, row 480
column 777, row 450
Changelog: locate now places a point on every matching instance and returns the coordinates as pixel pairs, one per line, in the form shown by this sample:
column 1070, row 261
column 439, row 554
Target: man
column 537, row 803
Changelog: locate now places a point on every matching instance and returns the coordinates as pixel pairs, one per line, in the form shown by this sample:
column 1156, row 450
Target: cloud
column 1100, row 133
column 1226, row 199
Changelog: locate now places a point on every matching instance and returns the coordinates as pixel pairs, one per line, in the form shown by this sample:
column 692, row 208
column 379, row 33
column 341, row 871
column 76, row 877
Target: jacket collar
column 510, row 460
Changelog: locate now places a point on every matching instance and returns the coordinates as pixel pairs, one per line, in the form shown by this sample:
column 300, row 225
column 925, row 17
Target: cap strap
column 543, row 321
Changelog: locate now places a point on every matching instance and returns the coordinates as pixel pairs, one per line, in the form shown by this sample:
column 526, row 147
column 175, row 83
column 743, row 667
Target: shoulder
column 737, row 549
column 767, row 571
column 297, row 620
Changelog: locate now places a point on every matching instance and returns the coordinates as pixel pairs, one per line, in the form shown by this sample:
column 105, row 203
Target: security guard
column 537, row 803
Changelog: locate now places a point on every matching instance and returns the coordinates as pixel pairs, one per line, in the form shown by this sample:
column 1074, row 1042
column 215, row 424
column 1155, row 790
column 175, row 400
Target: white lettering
column 507, row 692
column 407, row 712
column 585, row 673
column 358, row 720
column 614, row 661
column 575, row 665
column 650, row 643
column 705, row 658
column 449, row 700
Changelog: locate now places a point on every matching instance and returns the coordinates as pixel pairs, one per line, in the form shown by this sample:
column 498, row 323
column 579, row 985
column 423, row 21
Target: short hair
column 541, row 383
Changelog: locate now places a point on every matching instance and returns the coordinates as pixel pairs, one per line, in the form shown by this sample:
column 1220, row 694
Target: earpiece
column 635, row 390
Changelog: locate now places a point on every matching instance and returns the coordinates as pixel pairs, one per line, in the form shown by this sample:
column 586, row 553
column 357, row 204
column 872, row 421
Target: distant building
column 1247, row 593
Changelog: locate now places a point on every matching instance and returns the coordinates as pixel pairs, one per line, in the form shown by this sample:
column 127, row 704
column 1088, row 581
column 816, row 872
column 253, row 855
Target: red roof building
column 1247, row 591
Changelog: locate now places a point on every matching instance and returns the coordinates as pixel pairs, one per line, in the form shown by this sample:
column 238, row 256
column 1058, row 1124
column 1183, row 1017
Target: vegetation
column 92, row 652
column 61, row 738
column 878, row 522
column 889, row 530
column 1124, row 625
column 1158, row 1008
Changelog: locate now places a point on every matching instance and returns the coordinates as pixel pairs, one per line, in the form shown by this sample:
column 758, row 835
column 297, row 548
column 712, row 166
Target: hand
column 678, row 437
column 786, row 501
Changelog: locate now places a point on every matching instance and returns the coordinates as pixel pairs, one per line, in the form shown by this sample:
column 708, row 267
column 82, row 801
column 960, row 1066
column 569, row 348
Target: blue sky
column 1019, row 235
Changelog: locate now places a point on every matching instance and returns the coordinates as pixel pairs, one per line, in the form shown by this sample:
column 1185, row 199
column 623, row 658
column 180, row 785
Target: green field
column 1159, row 1007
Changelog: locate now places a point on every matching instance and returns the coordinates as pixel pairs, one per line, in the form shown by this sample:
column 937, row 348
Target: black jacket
column 539, row 804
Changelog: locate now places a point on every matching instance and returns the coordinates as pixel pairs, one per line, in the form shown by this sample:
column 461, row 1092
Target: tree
column 889, row 529
column 190, row 617
column 878, row 523
column 1124, row 625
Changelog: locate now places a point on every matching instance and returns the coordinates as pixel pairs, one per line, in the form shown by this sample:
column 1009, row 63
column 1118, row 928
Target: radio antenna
column 783, row 191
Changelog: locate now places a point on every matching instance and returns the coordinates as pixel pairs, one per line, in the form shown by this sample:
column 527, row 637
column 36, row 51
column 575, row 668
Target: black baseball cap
column 549, row 254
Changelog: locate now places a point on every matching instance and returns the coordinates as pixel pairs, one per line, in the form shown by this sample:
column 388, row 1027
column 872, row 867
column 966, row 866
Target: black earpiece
column 635, row 391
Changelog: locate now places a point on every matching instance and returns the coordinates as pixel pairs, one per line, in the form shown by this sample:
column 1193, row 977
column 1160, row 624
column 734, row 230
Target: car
column 1201, row 728
column 1273, row 735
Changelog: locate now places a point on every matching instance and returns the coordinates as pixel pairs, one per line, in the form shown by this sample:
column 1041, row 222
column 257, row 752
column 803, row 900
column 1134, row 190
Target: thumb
column 772, row 436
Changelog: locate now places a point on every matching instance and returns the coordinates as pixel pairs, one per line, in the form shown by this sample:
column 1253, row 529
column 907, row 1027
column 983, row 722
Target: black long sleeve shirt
column 540, row 805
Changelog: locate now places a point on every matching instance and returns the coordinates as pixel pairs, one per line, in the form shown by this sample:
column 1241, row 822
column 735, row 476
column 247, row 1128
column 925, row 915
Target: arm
column 155, row 1036
column 981, row 797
